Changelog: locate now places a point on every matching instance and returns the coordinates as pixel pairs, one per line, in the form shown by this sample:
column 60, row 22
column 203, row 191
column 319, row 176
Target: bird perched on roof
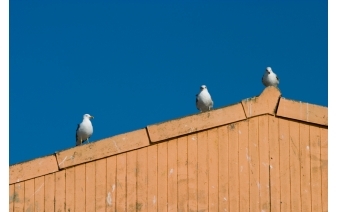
column 84, row 130
column 270, row 78
column 204, row 100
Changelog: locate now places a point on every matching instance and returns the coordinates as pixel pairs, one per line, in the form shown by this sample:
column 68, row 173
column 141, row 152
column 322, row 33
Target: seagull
column 269, row 78
column 84, row 130
column 204, row 100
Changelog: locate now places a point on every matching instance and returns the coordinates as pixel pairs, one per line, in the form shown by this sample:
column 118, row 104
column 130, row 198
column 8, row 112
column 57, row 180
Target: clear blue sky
column 135, row 64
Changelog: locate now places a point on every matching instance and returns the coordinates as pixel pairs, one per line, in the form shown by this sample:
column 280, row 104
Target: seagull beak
column 91, row 117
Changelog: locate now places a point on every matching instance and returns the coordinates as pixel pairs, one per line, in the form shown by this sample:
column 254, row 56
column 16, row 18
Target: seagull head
column 203, row 87
column 268, row 69
column 87, row 116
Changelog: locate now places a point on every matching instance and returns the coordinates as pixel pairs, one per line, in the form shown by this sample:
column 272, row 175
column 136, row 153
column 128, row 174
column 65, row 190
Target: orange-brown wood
column 39, row 194
column 60, row 191
column 202, row 171
column 162, row 177
column 305, row 167
column 49, row 192
column 264, row 163
column 172, row 180
column 103, row 148
column 90, row 173
column 100, row 177
column 264, row 167
column 111, row 183
column 295, row 166
column 11, row 197
column 34, row 168
column 303, row 111
column 223, row 169
column 274, row 146
column 70, row 189
column 80, row 176
column 266, row 103
column 197, row 122
column 152, row 174
column 254, row 164
column 131, row 180
column 182, row 174
column 19, row 196
column 244, row 166
column 121, row 183
column 192, row 171
column 213, row 169
column 324, row 167
column 315, row 158
column 284, row 164
column 29, row 195
column 233, row 159
column 142, row 178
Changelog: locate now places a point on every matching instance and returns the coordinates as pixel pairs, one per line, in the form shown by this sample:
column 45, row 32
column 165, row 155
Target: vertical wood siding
column 264, row 163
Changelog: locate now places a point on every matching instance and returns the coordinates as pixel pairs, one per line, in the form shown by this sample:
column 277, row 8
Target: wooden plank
column 31, row 169
column 152, row 174
column 11, row 198
column 305, row 168
column 70, row 189
column 29, row 195
column 39, row 193
column 192, row 171
column 172, row 169
column 131, row 180
column 162, row 176
column 264, row 167
column 303, row 111
column 142, row 179
column 274, row 147
column 233, row 173
column 195, row 123
column 295, row 166
column 244, row 166
column 19, row 196
column 80, row 177
column 202, row 171
column 284, row 164
column 316, row 182
column 182, row 174
column 100, row 185
column 60, row 191
column 90, row 170
column 223, row 169
column 111, row 183
column 254, row 163
column 121, row 183
column 213, row 165
column 104, row 148
column 324, row 168
column 49, row 192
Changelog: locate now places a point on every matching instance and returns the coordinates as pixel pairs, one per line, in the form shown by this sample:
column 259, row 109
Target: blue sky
column 135, row 64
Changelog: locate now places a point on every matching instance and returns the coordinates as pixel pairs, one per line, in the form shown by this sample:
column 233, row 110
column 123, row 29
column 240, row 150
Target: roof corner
column 266, row 103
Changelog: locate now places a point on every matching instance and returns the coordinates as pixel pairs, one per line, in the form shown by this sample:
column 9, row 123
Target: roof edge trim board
column 303, row 111
column 31, row 169
column 103, row 148
column 197, row 122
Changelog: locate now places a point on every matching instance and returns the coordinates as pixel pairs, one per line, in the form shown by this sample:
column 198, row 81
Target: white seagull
column 270, row 78
column 204, row 100
column 84, row 130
